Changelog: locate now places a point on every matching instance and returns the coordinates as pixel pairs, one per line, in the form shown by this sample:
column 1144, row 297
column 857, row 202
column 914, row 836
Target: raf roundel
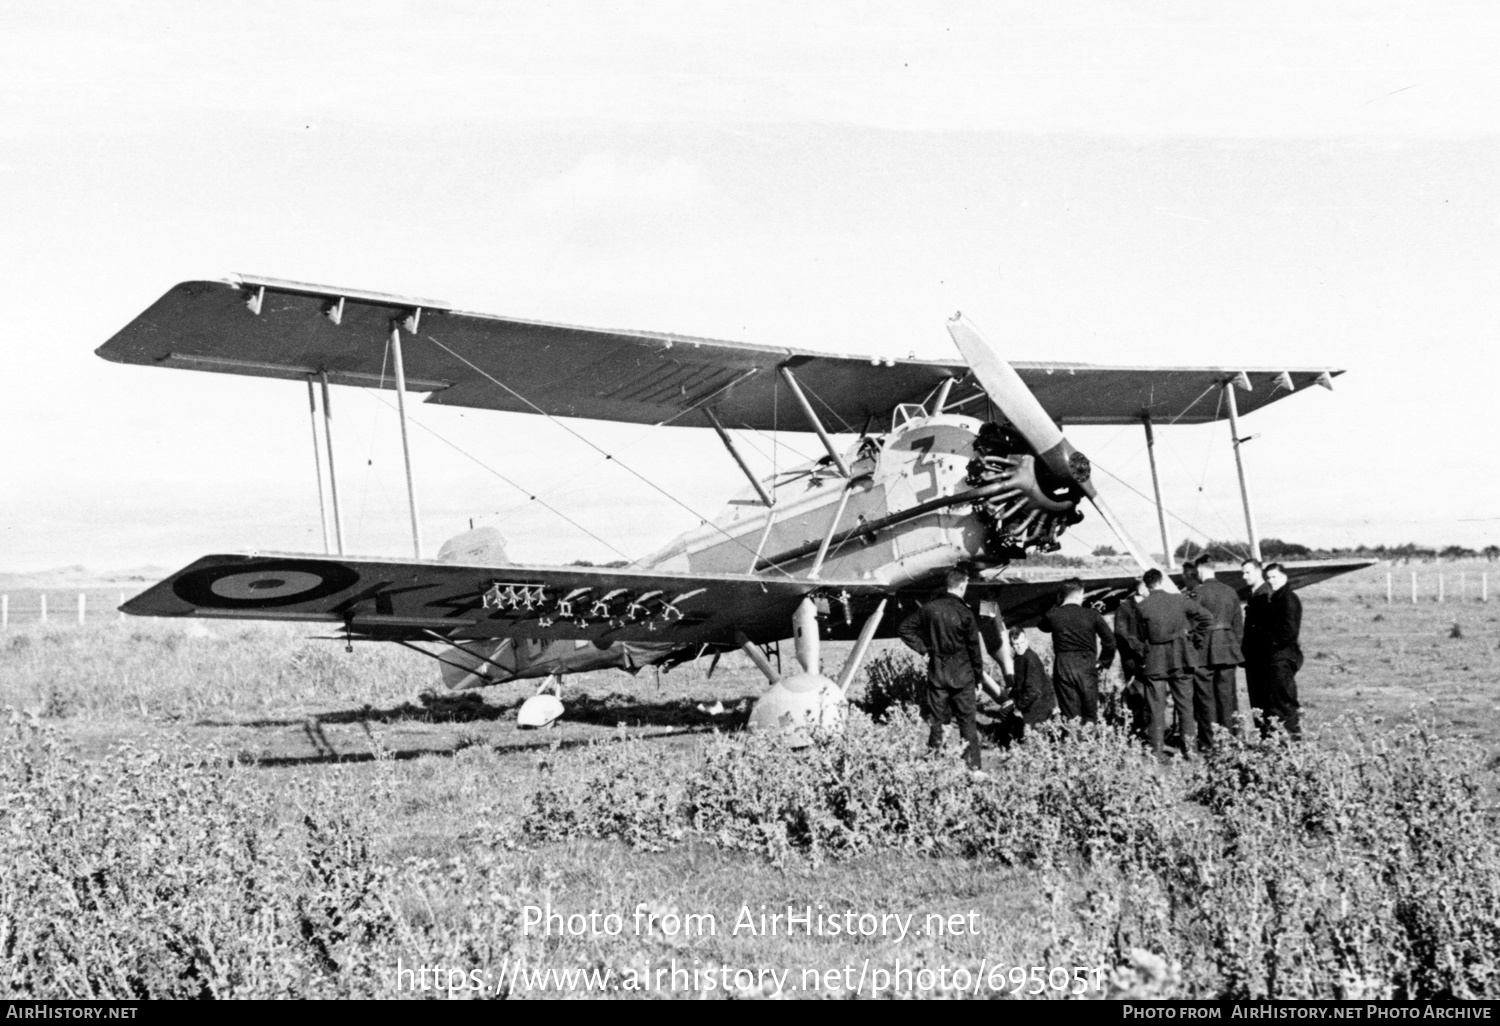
column 280, row 582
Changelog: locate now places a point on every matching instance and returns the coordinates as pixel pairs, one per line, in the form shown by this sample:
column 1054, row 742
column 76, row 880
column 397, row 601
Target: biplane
column 960, row 463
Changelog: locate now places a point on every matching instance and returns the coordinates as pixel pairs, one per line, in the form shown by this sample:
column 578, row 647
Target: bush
column 1365, row 868
column 893, row 679
column 159, row 874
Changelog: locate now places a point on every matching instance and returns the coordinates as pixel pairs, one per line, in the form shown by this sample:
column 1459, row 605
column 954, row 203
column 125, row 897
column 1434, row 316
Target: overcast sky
column 1142, row 184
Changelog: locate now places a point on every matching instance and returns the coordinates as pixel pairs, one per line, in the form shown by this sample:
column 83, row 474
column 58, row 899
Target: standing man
column 1173, row 628
column 1255, row 643
column 1214, row 700
column 1076, row 661
column 1283, row 633
column 947, row 632
column 1133, row 656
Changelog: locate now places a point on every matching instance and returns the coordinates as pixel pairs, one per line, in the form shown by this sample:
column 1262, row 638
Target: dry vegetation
column 245, row 812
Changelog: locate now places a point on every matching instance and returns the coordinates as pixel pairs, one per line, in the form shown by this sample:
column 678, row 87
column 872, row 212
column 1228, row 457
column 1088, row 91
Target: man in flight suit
column 1076, row 662
column 948, row 633
column 1283, row 629
column 1254, row 641
column 1214, row 699
column 1133, row 656
column 1173, row 628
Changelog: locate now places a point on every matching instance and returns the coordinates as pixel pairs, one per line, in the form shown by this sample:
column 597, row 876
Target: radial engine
column 1034, row 507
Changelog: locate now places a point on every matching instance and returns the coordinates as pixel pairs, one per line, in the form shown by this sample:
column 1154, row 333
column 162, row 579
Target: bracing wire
column 591, row 444
column 809, row 390
column 520, row 488
column 1186, row 523
column 364, row 495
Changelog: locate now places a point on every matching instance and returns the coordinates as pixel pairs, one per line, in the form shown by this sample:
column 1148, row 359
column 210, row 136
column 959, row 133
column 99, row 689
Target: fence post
column 1413, row 587
column 1484, row 586
column 1387, row 587
column 122, row 602
column 1440, row 586
column 44, row 607
column 1462, row 585
column 80, row 609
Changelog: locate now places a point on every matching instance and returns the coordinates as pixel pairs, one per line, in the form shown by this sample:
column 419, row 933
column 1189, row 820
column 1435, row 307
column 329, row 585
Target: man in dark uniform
column 1173, row 628
column 1254, row 642
column 1076, row 661
column 1214, row 699
column 1133, row 656
column 1283, row 629
column 947, row 632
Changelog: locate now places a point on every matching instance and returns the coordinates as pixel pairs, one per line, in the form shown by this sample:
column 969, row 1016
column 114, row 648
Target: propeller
column 1008, row 392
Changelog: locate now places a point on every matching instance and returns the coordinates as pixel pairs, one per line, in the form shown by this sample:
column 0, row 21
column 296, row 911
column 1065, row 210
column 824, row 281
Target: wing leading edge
column 269, row 328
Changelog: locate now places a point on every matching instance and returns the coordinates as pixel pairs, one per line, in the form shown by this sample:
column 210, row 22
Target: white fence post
column 1413, row 587
column 1484, row 586
column 44, row 607
column 80, row 609
column 1387, row 587
column 1440, row 586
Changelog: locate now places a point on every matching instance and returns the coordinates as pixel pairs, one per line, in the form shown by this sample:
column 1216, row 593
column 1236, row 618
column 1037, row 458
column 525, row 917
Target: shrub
column 893, row 679
column 1364, row 868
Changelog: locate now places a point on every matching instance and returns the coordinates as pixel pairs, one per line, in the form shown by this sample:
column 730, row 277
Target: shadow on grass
column 467, row 707
column 544, row 742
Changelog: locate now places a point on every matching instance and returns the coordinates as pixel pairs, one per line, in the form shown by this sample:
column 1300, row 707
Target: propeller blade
column 1008, row 392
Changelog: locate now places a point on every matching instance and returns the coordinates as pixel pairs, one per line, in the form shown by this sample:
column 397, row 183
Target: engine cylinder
column 1036, row 505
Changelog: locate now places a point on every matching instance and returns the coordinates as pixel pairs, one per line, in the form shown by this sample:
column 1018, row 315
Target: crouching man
column 1031, row 691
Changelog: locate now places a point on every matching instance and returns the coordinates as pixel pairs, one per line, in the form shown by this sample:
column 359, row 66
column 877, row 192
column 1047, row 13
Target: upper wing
column 269, row 328
column 416, row 600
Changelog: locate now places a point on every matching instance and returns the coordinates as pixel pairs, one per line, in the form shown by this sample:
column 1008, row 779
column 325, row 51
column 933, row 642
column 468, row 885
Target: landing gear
column 542, row 709
column 801, row 705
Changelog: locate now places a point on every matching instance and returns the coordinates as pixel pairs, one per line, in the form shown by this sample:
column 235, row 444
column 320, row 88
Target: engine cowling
column 1034, row 507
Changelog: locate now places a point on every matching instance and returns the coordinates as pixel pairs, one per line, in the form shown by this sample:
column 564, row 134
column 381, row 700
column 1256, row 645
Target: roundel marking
column 280, row 582
column 265, row 584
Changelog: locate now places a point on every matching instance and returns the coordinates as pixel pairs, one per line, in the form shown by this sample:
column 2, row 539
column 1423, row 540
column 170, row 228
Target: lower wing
column 429, row 600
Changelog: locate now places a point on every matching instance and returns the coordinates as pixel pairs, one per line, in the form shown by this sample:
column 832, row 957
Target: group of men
column 1178, row 648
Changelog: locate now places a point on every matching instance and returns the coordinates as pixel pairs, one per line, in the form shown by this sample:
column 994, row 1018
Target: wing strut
column 1161, row 513
column 411, row 323
column 833, row 526
column 760, row 490
column 333, row 478
column 1239, row 461
column 812, row 417
column 312, row 406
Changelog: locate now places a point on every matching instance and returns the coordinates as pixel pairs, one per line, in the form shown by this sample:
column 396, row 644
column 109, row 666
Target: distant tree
column 581, row 562
column 1458, row 552
column 1105, row 550
column 1188, row 549
column 1224, row 549
column 1275, row 548
column 1492, row 552
column 616, row 564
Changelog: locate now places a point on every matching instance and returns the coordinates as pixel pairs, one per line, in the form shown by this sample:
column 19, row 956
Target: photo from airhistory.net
column 751, row 501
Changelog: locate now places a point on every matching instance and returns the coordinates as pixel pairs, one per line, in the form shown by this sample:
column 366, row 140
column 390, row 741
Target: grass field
column 253, row 812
